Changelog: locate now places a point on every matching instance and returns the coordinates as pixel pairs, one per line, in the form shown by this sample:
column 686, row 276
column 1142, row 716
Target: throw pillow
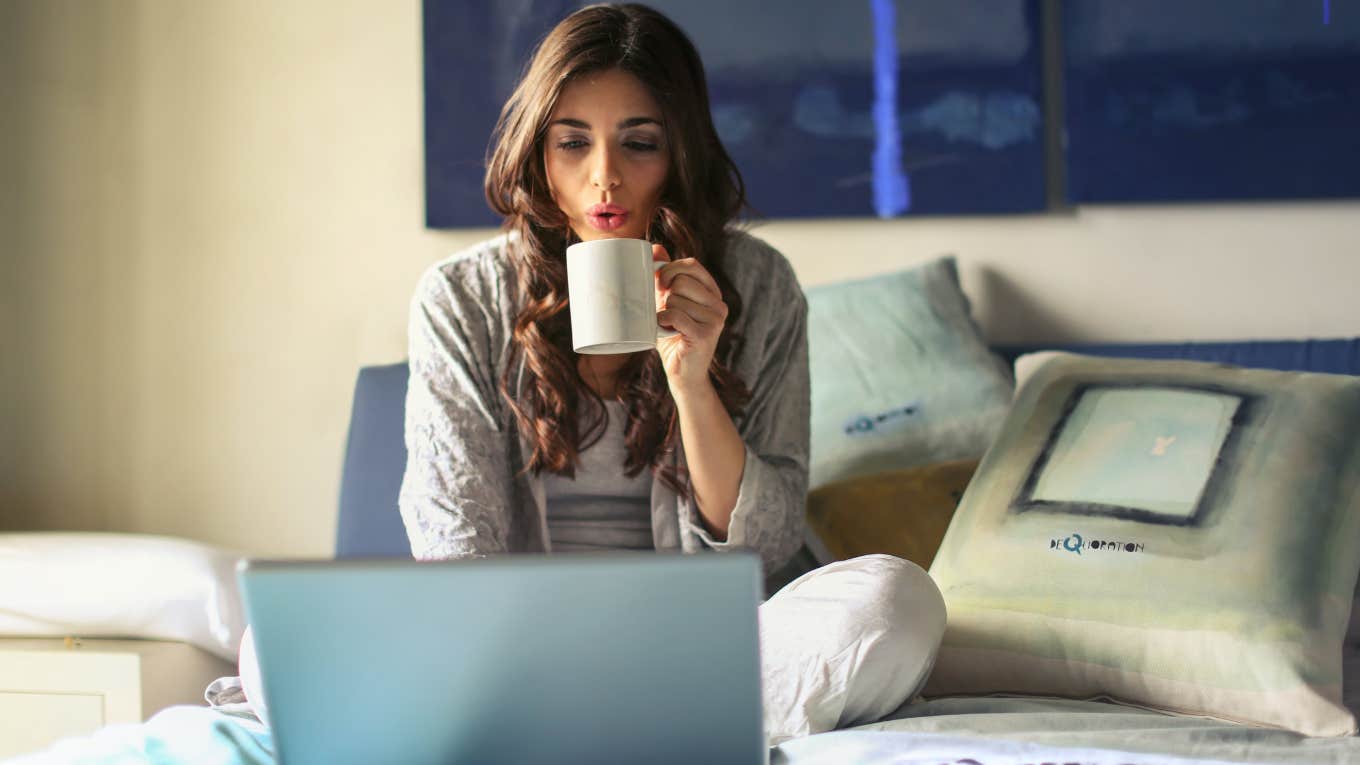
column 900, row 374
column 1176, row 535
column 1025, row 365
column 899, row 512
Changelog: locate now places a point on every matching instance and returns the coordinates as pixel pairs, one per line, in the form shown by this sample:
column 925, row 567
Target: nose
column 604, row 173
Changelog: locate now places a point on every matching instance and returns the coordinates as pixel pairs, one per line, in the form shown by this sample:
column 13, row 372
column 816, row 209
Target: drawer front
column 32, row 721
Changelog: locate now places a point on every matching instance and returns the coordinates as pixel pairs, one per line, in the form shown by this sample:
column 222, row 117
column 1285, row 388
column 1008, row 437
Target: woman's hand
column 689, row 301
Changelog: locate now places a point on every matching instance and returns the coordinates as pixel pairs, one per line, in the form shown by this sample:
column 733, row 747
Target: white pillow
column 120, row 585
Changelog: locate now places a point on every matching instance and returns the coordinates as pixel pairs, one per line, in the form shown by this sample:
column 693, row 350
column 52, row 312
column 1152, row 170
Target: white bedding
column 992, row 730
column 120, row 585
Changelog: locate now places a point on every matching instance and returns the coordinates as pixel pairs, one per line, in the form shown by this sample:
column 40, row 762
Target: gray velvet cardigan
column 462, row 494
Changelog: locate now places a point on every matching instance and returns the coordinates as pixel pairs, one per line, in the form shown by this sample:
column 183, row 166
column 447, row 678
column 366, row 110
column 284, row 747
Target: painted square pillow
column 900, row 374
column 1177, row 535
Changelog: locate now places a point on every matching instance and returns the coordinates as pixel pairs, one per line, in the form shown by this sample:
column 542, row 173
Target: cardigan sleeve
column 769, row 515
column 458, row 486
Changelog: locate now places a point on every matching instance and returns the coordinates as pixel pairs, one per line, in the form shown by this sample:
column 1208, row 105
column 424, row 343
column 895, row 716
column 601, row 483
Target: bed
column 977, row 728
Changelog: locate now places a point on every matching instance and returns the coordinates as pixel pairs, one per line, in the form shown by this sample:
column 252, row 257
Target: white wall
column 1122, row 273
column 212, row 215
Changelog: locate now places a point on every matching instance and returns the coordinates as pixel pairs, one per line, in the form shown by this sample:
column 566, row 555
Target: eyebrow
column 630, row 122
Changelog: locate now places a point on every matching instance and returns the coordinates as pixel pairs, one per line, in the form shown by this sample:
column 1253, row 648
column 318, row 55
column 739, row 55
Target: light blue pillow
column 900, row 374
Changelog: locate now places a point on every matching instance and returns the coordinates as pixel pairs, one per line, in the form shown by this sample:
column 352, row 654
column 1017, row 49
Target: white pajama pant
column 847, row 644
column 844, row 644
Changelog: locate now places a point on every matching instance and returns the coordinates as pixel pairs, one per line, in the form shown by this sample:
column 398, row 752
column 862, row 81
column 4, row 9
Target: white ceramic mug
column 613, row 300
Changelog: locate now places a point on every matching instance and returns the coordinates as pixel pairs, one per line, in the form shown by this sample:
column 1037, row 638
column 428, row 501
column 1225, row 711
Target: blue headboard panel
column 1333, row 356
column 375, row 458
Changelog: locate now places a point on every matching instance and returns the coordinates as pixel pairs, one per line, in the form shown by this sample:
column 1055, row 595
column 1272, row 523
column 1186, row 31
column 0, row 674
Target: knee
column 908, row 599
column 901, row 618
column 847, row 643
column 892, row 593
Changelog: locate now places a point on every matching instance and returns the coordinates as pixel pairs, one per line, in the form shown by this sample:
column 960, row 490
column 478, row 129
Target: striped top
column 601, row 509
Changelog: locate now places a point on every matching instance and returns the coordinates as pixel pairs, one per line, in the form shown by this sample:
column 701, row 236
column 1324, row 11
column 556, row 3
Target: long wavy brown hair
column 702, row 195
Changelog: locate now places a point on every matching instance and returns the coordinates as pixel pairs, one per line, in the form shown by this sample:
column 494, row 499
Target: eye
column 571, row 144
column 641, row 144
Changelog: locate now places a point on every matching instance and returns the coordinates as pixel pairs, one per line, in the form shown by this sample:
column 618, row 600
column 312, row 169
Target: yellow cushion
column 901, row 512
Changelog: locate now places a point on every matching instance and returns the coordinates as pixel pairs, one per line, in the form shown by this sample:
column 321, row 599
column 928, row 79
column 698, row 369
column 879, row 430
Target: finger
column 680, row 322
column 699, row 312
column 692, row 268
column 692, row 289
column 687, row 286
column 659, row 253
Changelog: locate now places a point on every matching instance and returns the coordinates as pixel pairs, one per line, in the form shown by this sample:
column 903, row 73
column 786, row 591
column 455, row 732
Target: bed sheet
column 1009, row 731
column 181, row 735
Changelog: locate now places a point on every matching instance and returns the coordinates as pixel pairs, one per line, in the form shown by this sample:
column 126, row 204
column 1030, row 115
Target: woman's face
column 606, row 155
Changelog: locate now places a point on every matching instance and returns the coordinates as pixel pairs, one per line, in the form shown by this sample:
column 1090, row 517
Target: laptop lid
column 620, row 657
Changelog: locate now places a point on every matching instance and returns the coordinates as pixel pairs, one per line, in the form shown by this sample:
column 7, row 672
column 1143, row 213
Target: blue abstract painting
column 872, row 107
column 1179, row 100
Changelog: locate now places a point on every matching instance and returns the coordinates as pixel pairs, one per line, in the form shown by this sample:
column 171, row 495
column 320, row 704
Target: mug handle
column 660, row 330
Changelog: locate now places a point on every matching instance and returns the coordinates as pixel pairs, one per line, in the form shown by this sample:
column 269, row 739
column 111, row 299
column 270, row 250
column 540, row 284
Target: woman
column 608, row 135
column 517, row 444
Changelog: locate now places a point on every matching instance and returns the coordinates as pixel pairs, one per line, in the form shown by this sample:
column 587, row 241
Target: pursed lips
column 606, row 217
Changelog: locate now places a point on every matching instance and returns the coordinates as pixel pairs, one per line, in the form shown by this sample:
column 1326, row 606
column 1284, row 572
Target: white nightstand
column 51, row 688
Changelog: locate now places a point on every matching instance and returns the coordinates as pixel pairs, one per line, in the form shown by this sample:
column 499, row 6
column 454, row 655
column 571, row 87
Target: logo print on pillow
column 1074, row 543
column 883, row 421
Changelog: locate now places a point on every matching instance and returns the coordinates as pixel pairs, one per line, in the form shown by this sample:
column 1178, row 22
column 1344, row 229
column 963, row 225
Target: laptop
column 581, row 658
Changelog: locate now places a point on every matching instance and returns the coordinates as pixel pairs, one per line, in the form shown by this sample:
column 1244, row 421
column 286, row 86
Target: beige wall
column 218, row 217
